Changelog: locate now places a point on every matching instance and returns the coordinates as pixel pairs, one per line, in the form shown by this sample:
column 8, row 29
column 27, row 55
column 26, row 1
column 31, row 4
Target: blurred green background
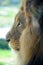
column 8, row 11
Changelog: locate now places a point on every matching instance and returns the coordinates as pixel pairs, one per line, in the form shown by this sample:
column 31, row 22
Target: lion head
column 26, row 34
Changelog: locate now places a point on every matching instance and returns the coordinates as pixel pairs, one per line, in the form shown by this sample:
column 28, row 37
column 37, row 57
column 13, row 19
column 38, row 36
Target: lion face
column 22, row 36
column 16, row 31
column 23, row 31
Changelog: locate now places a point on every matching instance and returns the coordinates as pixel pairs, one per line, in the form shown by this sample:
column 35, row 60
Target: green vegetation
column 4, row 49
column 1, row 63
column 8, row 11
column 3, row 44
column 7, row 15
column 5, row 53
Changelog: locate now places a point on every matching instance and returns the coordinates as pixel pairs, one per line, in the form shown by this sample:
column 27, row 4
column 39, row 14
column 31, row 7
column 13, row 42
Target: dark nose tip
column 8, row 39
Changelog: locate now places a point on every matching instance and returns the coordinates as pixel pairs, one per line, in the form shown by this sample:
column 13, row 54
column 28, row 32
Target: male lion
column 26, row 35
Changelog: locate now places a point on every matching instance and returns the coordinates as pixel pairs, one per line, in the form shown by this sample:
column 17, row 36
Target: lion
column 26, row 36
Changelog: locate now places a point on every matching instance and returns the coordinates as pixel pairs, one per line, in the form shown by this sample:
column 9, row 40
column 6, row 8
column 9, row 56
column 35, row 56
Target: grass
column 1, row 63
column 5, row 57
column 5, row 53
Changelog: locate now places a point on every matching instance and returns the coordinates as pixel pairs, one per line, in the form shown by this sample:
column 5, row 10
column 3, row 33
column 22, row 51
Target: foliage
column 1, row 63
column 5, row 53
column 3, row 44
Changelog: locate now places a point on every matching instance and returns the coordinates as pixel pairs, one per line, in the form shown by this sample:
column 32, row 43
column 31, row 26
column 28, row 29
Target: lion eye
column 19, row 24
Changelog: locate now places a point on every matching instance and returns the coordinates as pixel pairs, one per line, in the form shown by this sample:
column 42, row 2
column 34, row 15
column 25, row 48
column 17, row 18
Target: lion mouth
column 15, row 45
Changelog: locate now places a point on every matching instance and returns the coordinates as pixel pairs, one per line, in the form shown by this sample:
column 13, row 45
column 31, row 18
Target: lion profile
column 26, row 35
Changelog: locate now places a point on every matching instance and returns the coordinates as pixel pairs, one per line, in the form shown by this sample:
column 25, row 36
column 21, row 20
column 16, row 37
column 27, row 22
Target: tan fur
column 24, row 38
column 26, row 43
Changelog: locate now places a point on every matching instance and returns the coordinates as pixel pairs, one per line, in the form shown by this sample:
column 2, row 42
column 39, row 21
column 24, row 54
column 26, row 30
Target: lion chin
column 16, row 57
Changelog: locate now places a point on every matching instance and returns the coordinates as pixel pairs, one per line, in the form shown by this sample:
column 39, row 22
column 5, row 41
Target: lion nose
column 8, row 39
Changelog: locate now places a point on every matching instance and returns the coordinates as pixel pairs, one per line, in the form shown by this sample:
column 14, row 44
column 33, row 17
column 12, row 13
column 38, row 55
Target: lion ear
column 36, row 27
